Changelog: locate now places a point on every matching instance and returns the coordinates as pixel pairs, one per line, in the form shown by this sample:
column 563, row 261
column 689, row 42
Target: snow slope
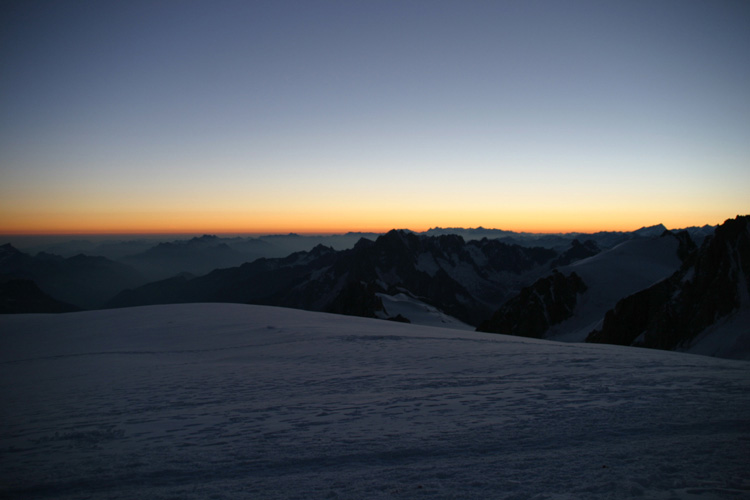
column 418, row 312
column 232, row 401
column 613, row 274
column 729, row 337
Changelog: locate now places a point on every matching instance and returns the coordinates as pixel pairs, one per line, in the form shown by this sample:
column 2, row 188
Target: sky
column 335, row 116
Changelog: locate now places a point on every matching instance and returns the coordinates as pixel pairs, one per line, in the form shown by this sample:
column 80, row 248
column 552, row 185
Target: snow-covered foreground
column 232, row 401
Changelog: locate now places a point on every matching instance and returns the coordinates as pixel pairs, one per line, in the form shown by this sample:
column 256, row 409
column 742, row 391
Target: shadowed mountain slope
column 712, row 286
column 21, row 296
column 568, row 304
column 547, row 302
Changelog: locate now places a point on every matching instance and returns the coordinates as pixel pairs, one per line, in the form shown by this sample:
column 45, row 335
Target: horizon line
column 308, row 233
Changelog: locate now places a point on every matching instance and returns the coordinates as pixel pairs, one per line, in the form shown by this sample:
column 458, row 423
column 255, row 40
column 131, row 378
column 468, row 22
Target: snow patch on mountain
column 615, row 273
column 417, row 312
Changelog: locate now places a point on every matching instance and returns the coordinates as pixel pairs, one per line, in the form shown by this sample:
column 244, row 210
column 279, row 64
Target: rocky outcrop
column 713, row 283
column 532, row 312
column 577, row 251
column 357, row 299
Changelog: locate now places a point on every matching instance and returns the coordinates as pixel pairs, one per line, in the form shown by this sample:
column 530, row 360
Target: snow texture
column 232, row 401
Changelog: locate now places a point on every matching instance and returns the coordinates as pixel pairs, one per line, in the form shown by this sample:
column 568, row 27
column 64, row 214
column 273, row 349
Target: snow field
column 233, row 401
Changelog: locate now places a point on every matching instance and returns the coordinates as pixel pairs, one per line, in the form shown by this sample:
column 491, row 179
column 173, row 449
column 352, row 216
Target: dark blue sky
column 363, row 115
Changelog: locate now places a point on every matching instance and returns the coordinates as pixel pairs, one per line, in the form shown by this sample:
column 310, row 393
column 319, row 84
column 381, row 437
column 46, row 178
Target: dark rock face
column 633, row 316
column 548, row 301
column 713, row 283
column 687, row 246
column 399, row 319
column 357, row 299
column 577, row 251
column 19, row 296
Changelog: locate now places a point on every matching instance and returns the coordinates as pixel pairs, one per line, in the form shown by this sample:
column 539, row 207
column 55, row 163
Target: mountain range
column 466, row 280
column 157, row 258
column 82, row 281
column 591, row 288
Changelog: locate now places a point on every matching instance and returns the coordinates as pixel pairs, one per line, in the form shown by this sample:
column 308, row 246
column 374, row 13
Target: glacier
column 242, row 401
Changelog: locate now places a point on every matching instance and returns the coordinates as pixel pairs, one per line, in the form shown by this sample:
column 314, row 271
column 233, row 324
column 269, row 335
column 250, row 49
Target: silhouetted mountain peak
column 648, row 231
column 734, row 229
column 11, row 257
column 363, row 243
column 578, row 250
column 303, row 258
column 395, row 233
column 321, row 249
column 396, row 239
column 206, row 238
column 7, row 250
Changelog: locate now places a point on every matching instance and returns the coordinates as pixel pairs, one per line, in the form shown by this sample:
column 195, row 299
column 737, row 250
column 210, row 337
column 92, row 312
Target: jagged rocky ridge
column 712, row 284
column 467, row 280
column 568, row 304
column 536, row 308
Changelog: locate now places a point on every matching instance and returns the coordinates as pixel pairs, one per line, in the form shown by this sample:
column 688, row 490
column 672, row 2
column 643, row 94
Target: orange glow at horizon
column 399, row 123
column 325, row 222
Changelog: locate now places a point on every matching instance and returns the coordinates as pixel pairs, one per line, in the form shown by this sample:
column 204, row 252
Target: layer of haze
column 333, row 116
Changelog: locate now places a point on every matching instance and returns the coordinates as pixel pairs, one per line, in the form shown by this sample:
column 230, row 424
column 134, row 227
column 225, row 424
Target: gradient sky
column 333, row 116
